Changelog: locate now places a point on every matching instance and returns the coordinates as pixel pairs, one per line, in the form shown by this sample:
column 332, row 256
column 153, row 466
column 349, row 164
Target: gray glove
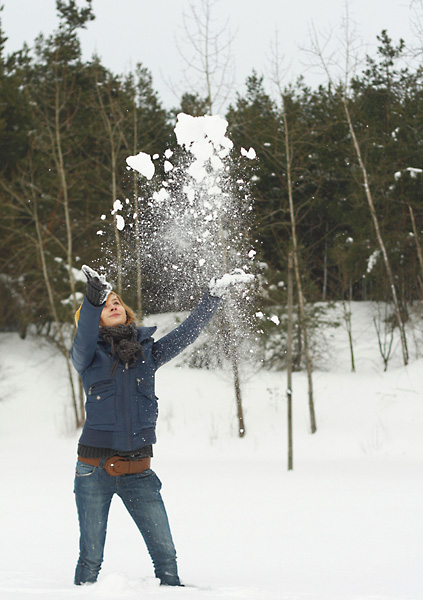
column 97, row 287
column 219, row 286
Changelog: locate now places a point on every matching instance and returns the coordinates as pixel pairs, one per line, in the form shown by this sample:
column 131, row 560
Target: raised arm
column 85, row 341
column 177, row 340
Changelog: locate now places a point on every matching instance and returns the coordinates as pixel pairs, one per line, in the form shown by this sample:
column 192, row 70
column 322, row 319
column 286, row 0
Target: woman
column 117, row 362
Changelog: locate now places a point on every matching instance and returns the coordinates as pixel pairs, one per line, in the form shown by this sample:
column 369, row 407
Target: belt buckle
column 116, row 465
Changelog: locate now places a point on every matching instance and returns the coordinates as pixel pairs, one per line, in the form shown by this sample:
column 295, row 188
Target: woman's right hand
column 97, row 287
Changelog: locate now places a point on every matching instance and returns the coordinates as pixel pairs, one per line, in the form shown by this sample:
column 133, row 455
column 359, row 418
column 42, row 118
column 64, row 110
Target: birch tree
column 343, row 89
column 284, row 100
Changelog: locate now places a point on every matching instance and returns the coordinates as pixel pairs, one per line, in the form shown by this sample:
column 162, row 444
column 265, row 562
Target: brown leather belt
column 118, row 465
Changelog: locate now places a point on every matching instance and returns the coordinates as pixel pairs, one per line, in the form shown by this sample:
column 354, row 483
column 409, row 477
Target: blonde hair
column 131, row 317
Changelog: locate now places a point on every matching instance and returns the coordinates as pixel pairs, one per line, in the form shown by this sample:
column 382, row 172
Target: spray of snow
column 191, row 221
column 194, row 223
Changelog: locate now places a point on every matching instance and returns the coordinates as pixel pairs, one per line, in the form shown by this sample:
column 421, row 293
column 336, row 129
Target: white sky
column 126, row 32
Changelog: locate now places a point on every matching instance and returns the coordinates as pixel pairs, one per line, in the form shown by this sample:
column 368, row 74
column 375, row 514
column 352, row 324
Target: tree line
column 67, row 125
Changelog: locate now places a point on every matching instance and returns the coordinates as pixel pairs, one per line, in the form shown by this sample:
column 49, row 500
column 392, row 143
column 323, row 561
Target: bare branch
column 206, row 52
column 338, row 56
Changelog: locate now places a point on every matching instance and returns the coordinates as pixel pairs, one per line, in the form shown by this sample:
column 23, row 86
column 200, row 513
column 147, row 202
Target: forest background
column 338, row 181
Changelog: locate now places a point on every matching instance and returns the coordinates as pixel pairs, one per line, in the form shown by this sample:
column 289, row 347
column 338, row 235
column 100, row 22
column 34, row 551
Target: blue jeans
column 140, row 492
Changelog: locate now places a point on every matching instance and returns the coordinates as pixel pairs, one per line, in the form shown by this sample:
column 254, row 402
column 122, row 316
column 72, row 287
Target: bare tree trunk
column 137, row 221
column 325, row 267
column 289, row 364
column 233, row 344
column 348, row 324
column 237, row 383
column 385, row 331
column 117, row 235
column 54, row 126
column 62, row 344
column 207, row 66
column 62, row 175
column 138, row 251
column 115, row 139
column 378, row 233
column 79, row 415
column 301, row 303
column 416, row 239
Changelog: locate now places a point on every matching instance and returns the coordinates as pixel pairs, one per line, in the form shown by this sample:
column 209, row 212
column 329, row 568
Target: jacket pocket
column 101, row 403
column 148, row 408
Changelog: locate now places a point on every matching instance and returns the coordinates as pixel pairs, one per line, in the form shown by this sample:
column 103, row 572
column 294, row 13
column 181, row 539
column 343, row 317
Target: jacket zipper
column 127, row 409
column 90, row 391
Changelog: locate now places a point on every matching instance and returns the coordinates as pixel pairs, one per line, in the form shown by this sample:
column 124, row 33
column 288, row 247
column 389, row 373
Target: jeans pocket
column 83, row 469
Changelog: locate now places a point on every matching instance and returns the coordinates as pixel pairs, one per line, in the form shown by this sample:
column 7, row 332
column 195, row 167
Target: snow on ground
column 346, row 524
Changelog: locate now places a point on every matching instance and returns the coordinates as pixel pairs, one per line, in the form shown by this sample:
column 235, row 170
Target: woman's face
column 113, row 312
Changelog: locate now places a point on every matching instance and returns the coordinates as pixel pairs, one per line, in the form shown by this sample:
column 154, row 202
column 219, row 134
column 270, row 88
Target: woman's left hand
column 219, row 286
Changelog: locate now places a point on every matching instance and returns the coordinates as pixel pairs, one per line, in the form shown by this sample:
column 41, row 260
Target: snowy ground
column 346, row 524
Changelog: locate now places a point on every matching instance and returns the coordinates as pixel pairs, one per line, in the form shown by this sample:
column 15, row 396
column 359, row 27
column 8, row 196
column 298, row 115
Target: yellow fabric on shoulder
column 77, row 315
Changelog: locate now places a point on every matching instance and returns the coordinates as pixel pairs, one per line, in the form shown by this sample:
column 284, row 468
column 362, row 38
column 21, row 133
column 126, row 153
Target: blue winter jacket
column 121, row 407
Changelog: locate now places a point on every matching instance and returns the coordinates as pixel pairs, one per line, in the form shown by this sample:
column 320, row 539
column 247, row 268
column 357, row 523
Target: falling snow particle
column 142, row 163
column 251, row 153
column 120, row 222
column 117, row 205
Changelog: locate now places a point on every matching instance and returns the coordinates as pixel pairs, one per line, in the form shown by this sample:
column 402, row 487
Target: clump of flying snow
column 251, row 153
column 205, row 138
column 117, row 205
column 142, row 163
column 120, row 222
